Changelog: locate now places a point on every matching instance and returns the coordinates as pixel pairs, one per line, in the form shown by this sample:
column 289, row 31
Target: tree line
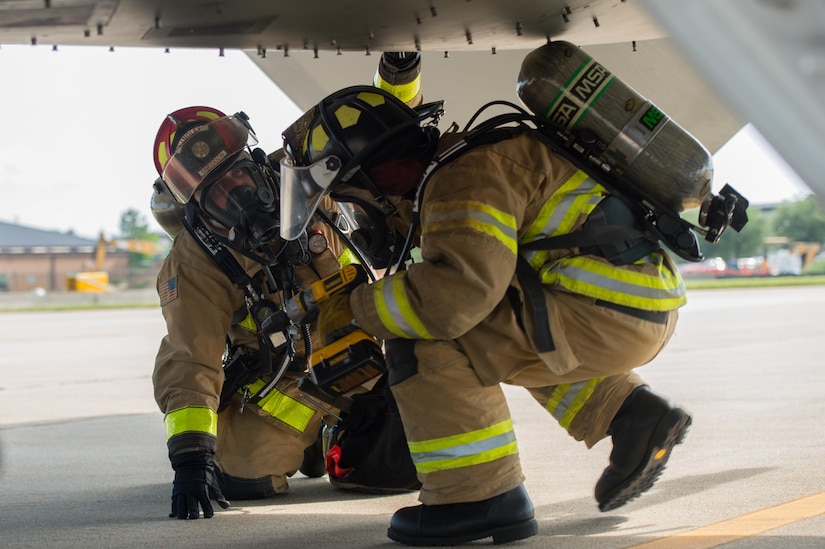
column 801, row 221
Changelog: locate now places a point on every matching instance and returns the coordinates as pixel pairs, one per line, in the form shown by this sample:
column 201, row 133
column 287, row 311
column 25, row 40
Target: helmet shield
column 302, row 189
column 202, row 151
column 180, row 119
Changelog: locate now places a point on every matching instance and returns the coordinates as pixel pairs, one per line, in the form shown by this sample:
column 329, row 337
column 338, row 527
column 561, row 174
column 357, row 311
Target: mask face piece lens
column 226, row 198
column 241, row 200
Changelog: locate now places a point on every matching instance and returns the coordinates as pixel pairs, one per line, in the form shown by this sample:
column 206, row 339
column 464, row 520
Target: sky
column 77, row 127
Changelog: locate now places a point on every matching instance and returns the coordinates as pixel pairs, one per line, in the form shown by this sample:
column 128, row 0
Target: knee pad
column 244, row 488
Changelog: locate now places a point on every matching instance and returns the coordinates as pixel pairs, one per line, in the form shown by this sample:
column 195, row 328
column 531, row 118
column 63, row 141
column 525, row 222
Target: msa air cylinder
column 642, row 144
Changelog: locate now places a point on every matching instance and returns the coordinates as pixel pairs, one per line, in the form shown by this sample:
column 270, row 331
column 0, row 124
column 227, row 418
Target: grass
column 690, row 284
column 752, row 282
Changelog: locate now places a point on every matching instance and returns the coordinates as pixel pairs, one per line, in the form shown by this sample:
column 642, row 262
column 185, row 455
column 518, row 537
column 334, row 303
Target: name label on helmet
column 212, row 164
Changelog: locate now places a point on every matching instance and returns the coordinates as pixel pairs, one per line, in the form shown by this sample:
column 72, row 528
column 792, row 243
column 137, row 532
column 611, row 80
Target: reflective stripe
column 578, row 196
column 282, row 406
column 394, row 309
column 623, row 285
column 347, row 257
column 568, row 399
column 473, row 448
column 404, row 92
column 477, row 216
column 193, row 418
column 248, row 324
column 663, row 291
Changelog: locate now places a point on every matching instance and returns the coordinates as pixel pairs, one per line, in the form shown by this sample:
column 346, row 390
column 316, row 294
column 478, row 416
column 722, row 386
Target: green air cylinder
column 650, row 151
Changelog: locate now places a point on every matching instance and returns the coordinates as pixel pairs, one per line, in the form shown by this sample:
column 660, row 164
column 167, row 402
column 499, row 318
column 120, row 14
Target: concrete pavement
column 84, row 459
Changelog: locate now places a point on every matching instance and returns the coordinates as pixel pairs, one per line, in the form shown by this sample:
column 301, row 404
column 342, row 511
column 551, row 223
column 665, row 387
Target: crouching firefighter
column 504, row 293
column 236, row 425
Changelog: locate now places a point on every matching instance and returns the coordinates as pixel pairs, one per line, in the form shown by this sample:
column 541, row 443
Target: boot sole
column 503, row 534
column 670, row 432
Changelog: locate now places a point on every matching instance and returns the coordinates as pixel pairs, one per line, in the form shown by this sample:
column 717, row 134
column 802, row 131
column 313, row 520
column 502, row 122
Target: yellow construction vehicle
column 96, row 279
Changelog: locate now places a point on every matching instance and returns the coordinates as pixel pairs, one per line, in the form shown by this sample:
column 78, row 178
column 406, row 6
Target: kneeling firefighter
column 236, row 427
column 237, row 423
column 537, row 270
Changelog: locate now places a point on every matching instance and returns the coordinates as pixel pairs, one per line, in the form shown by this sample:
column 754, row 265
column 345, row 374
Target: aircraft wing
column 472, row 48
column 767, row 58
column 323, row 25
column 468, row 79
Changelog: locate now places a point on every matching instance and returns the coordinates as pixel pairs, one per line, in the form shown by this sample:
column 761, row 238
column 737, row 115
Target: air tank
column 647, row 148
column 167, row 211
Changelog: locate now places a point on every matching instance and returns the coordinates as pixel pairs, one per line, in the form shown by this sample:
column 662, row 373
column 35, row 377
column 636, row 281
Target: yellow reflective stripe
column 465, row 449
column 567, row 399
column 394, row 310
column 663, row 291
column 163, row 158
column 282, row 406
column 248, row 324
column 317, row 137
column 404, row 92
column 470, row 214
column 347, row 257
column 192, row 418
column 578, row 196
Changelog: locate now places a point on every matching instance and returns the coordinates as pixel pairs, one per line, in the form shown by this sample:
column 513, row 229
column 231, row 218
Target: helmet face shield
column 180, row 119
column 202, row 151
column 302, row 189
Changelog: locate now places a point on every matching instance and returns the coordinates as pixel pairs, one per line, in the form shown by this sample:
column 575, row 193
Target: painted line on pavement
column 744, row 526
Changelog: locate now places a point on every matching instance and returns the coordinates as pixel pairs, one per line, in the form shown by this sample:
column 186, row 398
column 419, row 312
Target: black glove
column 194, row 484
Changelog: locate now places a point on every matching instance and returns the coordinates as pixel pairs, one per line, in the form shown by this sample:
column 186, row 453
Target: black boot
column 314, row 464
column 644, row 431
column 506, row 517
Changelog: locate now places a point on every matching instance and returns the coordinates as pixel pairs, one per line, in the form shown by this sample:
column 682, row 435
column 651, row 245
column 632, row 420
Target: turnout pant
column 458, row 427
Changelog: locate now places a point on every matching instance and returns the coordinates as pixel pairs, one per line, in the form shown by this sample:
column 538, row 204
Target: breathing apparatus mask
column 371, row 229
column 243, row 201
column 214, row 167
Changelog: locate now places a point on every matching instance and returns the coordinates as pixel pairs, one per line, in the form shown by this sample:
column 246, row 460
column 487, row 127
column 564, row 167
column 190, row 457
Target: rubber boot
column 314, row 463
column 506, row 517
column 644, row 431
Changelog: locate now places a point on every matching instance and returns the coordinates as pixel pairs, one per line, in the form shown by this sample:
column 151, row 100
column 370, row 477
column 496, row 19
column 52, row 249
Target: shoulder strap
column 230, row 266
column 217, row 251
column 585, row 238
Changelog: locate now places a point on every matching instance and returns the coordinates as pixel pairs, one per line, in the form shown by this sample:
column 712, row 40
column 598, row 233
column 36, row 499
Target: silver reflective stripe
column 555, row 223
column 464, row 450
column 568, row 399
column 393, row 309
column 613, row 284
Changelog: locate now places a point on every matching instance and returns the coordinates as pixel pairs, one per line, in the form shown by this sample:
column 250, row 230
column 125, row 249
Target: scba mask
column 243, row 200
column 234, row 186
column 370, row 233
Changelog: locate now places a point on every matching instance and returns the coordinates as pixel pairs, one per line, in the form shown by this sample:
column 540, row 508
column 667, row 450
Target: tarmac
column 83, row 457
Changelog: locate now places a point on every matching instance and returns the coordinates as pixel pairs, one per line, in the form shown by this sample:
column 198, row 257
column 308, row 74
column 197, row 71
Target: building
column 32, row 259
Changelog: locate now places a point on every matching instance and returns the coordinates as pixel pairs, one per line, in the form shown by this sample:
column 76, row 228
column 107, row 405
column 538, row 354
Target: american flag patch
column 168, row 290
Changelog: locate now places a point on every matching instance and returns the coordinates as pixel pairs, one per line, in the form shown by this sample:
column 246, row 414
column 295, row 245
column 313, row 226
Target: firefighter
column 228, row 196
column 232, row 437
column 460, row 321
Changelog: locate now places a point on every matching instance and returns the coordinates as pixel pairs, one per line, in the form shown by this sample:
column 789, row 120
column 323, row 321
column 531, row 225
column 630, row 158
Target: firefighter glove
column 335, row 318
column 195, row 483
